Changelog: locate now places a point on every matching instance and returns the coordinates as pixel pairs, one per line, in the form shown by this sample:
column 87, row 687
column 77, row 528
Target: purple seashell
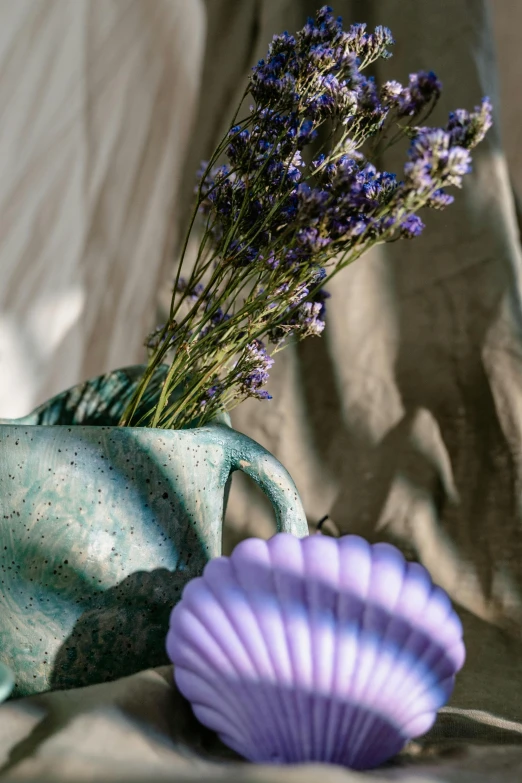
column 315, row 649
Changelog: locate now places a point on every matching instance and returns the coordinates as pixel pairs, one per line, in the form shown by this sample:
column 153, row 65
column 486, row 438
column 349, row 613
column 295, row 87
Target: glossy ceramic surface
column 101, row 526
column 6, row 682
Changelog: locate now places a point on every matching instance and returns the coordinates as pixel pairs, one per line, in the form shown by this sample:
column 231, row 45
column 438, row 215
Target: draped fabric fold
column 97, row 99
column 403, row 422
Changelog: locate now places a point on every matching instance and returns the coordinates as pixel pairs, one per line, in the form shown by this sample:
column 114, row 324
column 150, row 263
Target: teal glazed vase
column 101, row 526
column 6, row 682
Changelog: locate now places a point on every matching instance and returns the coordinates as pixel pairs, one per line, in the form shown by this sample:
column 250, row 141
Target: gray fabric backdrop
column 404, row 422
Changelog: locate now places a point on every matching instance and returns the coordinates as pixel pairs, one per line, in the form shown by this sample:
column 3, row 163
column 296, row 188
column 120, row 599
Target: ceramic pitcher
column 101, row 526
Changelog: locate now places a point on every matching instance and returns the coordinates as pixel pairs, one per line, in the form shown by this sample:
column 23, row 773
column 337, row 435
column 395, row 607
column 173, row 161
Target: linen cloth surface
column 403, row 422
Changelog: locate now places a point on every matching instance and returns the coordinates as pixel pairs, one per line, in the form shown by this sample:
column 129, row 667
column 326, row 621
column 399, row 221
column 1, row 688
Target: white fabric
column 141, row 729
column 97, row 100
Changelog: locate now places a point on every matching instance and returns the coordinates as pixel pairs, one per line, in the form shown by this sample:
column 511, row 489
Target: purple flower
column 423, row 89
column 440, row 200
column 299, row 293
column 306, row 133
column 272, row 262
column 318, row 274
column 432, row 157
column 391, row 93
column 309, row 318
column 369, row 47
column 239, row 144
column 467, row 129
column 293, row 172
column 311, row 201
column 320, row 298
column 418, row 177
column 311, row 239
column 368, row 100
column 331, row 97
column 458, row 164
column 214, row 390
column 411, row 227
column 252, row 371
column 324, row 29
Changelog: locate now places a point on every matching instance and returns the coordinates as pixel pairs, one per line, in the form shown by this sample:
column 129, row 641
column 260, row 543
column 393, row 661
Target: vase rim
column 25, row 425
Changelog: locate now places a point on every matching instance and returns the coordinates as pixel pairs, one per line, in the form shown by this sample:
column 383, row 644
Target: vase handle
column 270, row 476
column 6, row 682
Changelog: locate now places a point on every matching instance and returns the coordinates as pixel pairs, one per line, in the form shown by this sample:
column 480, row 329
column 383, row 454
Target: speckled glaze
column 101, row 527
column 6, row 682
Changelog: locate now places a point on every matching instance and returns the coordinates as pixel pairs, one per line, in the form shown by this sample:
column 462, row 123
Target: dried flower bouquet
column 299, row 199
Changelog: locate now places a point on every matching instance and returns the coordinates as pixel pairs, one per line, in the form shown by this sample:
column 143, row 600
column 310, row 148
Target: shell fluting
column 315, row 649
